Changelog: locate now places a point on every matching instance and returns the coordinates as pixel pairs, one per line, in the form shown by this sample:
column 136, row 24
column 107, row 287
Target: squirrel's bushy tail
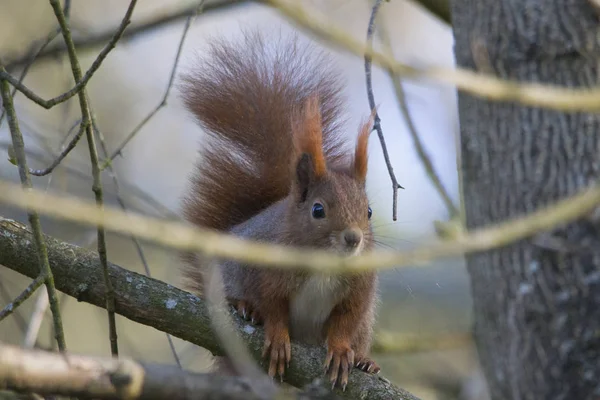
column 244, row 94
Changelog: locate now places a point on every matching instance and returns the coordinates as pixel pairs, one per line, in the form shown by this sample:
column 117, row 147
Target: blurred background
column 419, row 301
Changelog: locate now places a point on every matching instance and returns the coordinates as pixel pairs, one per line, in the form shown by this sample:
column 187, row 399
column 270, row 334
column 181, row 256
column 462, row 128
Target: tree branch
column 25, row 294
column 186, row 237
column 154, row 303
column 477, row 84
column 48, row 373
column 412, row 130
column 377, row 121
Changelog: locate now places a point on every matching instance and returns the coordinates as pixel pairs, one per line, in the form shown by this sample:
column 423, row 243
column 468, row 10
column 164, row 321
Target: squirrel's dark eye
column 318, row 211
column 370, row 212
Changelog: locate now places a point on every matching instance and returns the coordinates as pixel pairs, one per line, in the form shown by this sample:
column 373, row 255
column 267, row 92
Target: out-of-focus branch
column 48, row 373
column 188, row 237
column 481, row 85
column 151, row 302
column 389, row 342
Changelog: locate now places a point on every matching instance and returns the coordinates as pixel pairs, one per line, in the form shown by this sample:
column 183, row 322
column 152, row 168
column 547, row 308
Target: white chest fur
column 311, row 306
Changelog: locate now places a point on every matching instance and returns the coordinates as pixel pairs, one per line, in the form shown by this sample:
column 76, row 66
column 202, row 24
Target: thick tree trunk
column 537, row 307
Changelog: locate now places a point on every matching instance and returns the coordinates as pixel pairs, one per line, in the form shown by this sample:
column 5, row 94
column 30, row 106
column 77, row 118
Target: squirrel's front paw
column 277, row 349
column 339, row 362
column 367, row 365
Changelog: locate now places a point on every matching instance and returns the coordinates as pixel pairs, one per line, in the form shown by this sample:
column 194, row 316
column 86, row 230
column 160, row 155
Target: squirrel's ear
column 308, row 136
column 305, row 174
column 360, row 153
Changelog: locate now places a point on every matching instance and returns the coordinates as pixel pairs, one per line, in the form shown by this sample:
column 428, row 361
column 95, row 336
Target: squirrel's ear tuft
column 308, row 136
column 360, row 153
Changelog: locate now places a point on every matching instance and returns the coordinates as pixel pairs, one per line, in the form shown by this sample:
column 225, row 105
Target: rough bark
column 148, row 301
column 536, row 304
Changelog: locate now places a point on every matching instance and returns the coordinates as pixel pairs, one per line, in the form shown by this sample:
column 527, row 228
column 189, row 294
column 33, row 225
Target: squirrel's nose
column 352, row 237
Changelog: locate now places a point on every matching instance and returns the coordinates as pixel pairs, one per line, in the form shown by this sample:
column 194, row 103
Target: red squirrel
column 275, row 168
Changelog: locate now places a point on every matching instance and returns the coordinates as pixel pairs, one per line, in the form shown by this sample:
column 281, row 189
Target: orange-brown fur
column 275, row 154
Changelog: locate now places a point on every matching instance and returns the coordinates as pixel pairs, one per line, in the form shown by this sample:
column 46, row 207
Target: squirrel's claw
column 278, row 350
column 338, row 363
column 246, row 311
column 367, row 365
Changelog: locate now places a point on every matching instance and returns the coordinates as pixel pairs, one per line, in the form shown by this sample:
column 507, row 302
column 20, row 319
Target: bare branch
column 377, row 121
column 186, row 237
column 83, row 125
column 7, row 299
column 481, row 85
column 25, row 294
column 48, row 373
column 34, row 219
column 151, row 302
column 412, row 129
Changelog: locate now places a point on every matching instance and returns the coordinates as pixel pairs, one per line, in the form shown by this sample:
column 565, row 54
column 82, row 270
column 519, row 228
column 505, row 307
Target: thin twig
column 136, row 242
column 34, row 219
column 477, row 84
column 163, row 102
column 130, row 188
column 7, row 299
column 412, row 129
column 25, row 294
column 139, row 28
column 97, row 182
column 377, row 120
column 186, row 237
column 72, row 143
column 79, row 83
column 34, row 54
